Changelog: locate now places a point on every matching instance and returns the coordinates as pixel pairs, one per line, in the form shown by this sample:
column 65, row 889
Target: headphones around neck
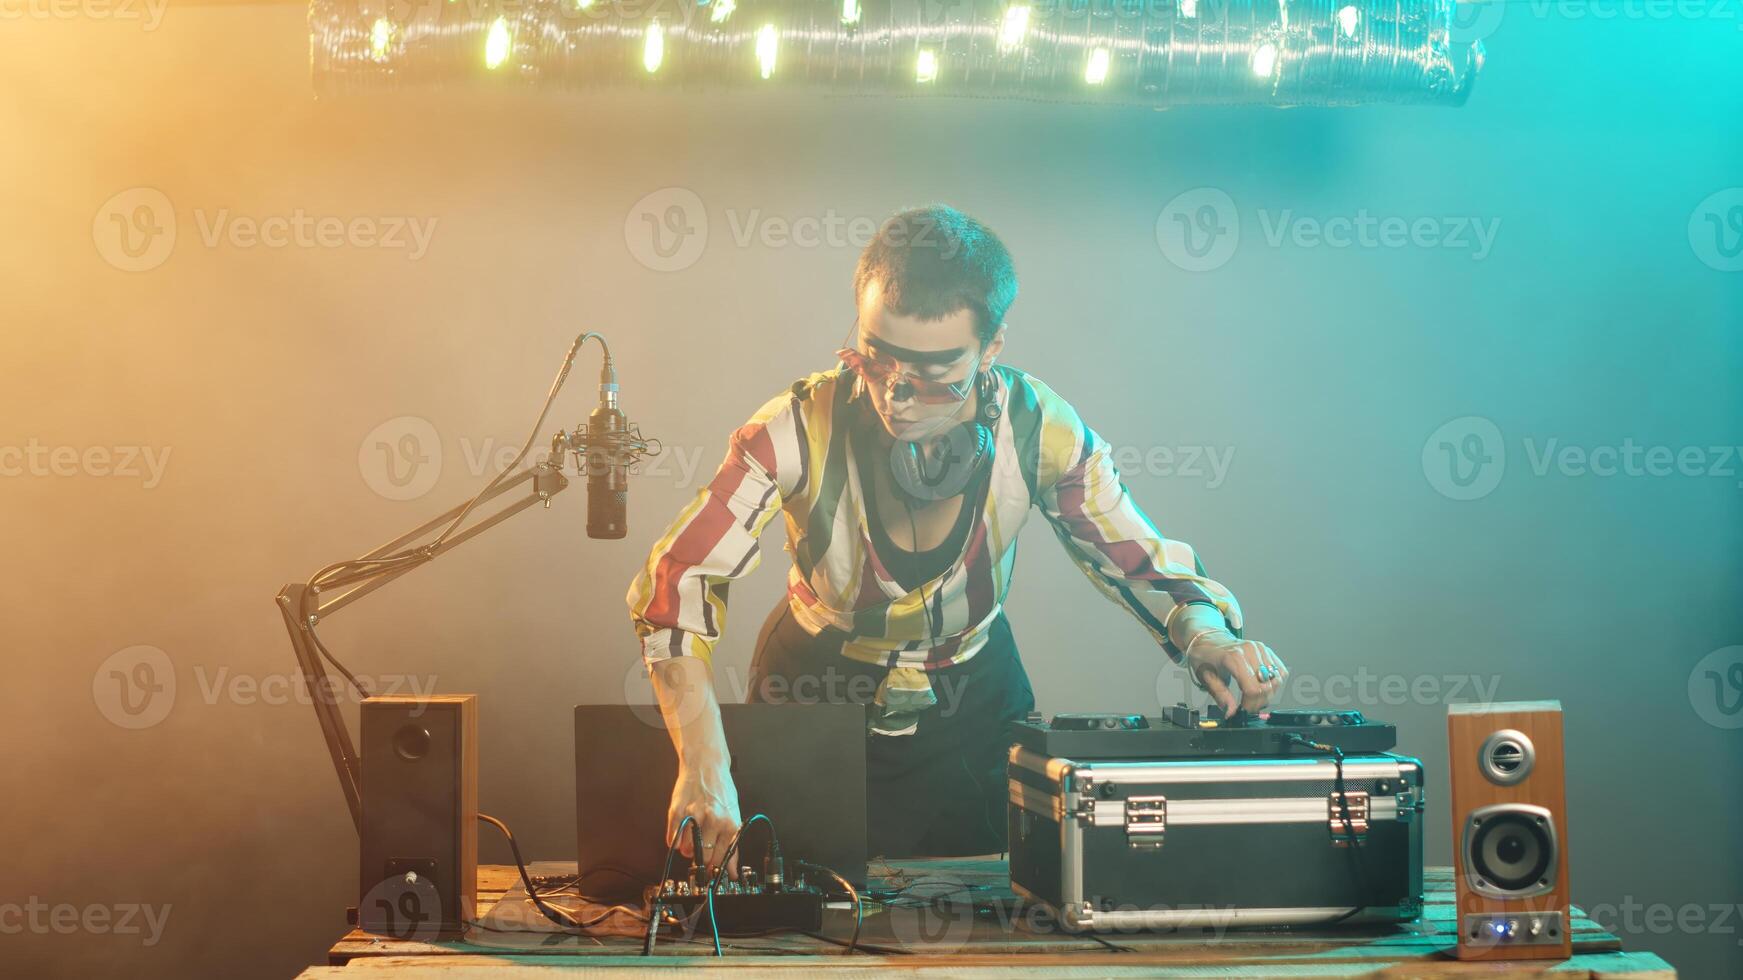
column 941, row 466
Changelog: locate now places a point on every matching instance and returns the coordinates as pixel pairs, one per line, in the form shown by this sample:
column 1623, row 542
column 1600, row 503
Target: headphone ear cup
column 910, row 469
column 990, row 409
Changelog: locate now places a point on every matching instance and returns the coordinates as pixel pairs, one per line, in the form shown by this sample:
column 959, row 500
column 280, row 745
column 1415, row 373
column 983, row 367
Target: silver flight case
column 1217, row 842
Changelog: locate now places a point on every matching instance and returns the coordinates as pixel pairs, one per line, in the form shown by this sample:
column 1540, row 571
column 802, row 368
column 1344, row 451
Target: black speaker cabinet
column 1509, row 801
column 418, row 874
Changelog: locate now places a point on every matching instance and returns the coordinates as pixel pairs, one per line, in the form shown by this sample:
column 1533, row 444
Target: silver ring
column 1265, row 673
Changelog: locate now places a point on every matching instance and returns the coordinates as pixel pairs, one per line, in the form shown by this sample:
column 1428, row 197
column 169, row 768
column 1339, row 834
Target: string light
column 380, row 39
column 926, row 66
column 767, row 41
column 1096, row 72
column 387, row 47
column 654, row 47
column 1015, row 25
column 1265, row 60
column 497, row 44
column 1349, row 18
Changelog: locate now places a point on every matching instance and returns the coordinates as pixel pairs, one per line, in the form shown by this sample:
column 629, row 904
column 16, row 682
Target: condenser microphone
column 607, row 456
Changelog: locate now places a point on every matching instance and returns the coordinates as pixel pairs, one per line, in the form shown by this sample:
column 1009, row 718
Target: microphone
column 607, row 451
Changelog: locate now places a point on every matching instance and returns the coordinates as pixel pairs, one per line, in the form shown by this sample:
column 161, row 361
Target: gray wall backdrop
column 265, row 381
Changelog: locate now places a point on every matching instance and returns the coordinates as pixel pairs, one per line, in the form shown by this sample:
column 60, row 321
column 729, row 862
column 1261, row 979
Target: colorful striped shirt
column 792, row 458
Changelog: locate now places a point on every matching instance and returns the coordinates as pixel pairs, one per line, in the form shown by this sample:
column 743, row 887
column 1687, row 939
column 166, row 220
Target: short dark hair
column 935, row 261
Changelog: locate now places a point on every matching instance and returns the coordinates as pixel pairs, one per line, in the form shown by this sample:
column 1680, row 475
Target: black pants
column 941, row 790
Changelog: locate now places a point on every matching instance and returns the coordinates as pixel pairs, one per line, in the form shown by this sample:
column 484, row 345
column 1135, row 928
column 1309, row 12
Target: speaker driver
column 1506, row 757
column 1510, row 850
column 412, row 742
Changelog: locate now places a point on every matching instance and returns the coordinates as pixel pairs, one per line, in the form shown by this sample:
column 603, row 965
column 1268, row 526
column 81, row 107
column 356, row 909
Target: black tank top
column 910, row 569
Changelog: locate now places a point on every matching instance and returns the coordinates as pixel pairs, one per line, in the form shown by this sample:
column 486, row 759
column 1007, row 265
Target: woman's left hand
column 1239, row 674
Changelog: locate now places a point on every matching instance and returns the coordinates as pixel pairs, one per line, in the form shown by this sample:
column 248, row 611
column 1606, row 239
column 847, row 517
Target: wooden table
column 1003, row 939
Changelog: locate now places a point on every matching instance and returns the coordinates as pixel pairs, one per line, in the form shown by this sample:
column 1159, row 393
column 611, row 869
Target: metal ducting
column 1155, row 53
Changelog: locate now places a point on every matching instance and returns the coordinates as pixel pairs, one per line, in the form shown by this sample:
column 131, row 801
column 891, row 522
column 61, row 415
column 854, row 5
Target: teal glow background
column 1590, row 145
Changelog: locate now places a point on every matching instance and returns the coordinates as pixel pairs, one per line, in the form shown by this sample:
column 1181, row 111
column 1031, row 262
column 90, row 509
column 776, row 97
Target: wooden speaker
column 418, row 870
column 1509, row 809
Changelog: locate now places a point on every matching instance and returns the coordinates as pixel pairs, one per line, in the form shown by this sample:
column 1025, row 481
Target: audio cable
column 1355, row 841
column 656, row 905
column 556, row 915
column 852, row 893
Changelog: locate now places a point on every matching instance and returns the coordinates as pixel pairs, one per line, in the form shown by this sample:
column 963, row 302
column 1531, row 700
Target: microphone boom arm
column 303, row 606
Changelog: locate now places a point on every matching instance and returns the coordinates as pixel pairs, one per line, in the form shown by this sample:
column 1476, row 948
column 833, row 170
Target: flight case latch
column 1146, row 822
column 1356, row 828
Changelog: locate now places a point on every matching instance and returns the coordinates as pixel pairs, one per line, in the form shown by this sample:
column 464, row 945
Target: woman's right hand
column 705, row 792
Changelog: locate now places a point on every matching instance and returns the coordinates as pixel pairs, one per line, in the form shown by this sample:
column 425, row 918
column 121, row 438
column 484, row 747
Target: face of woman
column 944, row 351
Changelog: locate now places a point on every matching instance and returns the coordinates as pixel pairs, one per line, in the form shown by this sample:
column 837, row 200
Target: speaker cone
column 1510, row 850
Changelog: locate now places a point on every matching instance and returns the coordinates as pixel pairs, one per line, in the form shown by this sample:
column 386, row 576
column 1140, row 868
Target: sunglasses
column 902, row 385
